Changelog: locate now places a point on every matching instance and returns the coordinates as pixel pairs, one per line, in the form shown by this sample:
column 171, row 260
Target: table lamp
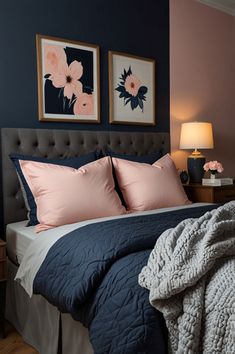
column 196, row 135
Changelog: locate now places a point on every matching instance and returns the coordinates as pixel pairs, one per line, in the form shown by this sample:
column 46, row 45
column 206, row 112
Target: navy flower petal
column 129, row 72
column 122, row 94
column 127, row 101
column 143, row 90
column 141, row 104
column 120, row 89
column 134, row 103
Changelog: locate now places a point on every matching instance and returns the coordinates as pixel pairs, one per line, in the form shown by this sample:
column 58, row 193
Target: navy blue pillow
column 149, row 158
column 74, row 162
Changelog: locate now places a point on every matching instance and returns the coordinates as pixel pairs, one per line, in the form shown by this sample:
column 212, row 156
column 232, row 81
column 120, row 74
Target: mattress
column 19, row 237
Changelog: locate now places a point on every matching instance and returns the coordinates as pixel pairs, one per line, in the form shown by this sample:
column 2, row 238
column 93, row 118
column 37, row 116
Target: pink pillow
column 147, row 187
column 65, row 195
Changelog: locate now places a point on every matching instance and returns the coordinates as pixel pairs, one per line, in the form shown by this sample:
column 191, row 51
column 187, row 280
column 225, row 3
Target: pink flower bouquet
column 214, row 167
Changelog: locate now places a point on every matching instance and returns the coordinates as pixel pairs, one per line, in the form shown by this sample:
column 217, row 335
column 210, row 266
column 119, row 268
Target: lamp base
column 195, row 168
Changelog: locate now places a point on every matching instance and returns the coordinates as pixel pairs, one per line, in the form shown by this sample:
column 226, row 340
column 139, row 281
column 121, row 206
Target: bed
column 115, row 309
column 40, row 323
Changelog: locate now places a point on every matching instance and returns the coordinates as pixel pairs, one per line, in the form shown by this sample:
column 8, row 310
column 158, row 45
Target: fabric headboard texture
column 61, row 144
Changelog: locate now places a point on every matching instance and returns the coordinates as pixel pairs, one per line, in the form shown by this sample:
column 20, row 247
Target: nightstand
column 3, row 279
column 196, row 192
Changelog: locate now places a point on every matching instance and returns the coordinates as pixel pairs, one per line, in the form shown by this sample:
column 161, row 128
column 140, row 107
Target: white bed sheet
column 19, row 237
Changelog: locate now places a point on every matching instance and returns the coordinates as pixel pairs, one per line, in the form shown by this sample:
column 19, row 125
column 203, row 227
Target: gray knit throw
column 191, row 278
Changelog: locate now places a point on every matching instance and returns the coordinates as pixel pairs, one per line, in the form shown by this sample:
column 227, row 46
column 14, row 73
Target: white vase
column 213, row 176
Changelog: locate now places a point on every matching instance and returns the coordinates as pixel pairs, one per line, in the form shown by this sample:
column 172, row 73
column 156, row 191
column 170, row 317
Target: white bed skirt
column 39, row 322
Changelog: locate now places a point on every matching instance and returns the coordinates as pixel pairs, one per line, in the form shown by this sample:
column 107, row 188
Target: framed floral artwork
column 68, row 80
column 131, row 89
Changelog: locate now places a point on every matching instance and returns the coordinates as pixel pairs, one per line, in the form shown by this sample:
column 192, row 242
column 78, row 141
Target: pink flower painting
column 68, row 72
column 131, row 90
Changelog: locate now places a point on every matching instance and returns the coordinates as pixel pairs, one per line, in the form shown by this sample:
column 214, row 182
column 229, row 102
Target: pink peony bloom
column 219, row 167
column 53, row 55
column 67, row 77
column 213, row 166
column 84, row 104
column 132, row 84
column 206, row 167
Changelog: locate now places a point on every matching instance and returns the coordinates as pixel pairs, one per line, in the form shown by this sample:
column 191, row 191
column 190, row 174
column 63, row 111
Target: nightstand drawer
column 224, row 195
column 3, row 270
column 196, row 192
column 2, row 252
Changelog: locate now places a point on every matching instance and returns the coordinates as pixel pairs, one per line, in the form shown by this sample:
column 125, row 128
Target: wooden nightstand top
column 196, row 192
column 199, row 185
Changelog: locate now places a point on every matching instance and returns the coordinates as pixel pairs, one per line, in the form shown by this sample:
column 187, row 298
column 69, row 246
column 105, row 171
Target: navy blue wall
column 136, row 27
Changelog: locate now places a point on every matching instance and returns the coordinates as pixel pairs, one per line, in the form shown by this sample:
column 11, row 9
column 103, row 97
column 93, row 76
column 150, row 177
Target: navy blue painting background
column 54, row 96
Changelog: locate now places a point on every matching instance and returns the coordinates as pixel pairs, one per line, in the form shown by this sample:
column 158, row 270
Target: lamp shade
column 196, row 135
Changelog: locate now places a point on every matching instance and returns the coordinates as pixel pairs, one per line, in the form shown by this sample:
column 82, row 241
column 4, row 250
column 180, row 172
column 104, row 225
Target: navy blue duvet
column 92, row 273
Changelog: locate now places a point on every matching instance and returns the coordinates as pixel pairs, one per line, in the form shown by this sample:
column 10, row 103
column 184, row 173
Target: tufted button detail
column 52, row 143
column 18, row 142
column 68, row 143
column 35, row 144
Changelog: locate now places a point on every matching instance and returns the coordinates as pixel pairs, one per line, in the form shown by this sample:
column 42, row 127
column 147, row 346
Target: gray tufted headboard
column 63, row 143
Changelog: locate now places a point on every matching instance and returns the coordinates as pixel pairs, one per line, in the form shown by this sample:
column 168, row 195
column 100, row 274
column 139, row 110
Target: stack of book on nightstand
column 217, row 181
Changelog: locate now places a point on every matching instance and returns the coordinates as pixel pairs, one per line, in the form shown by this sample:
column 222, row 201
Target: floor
column 14, row 343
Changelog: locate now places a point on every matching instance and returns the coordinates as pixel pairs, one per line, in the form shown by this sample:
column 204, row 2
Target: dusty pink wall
column 202, row 77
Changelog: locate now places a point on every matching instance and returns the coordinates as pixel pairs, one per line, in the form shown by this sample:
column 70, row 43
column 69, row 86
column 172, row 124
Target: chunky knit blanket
column 191, row 278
